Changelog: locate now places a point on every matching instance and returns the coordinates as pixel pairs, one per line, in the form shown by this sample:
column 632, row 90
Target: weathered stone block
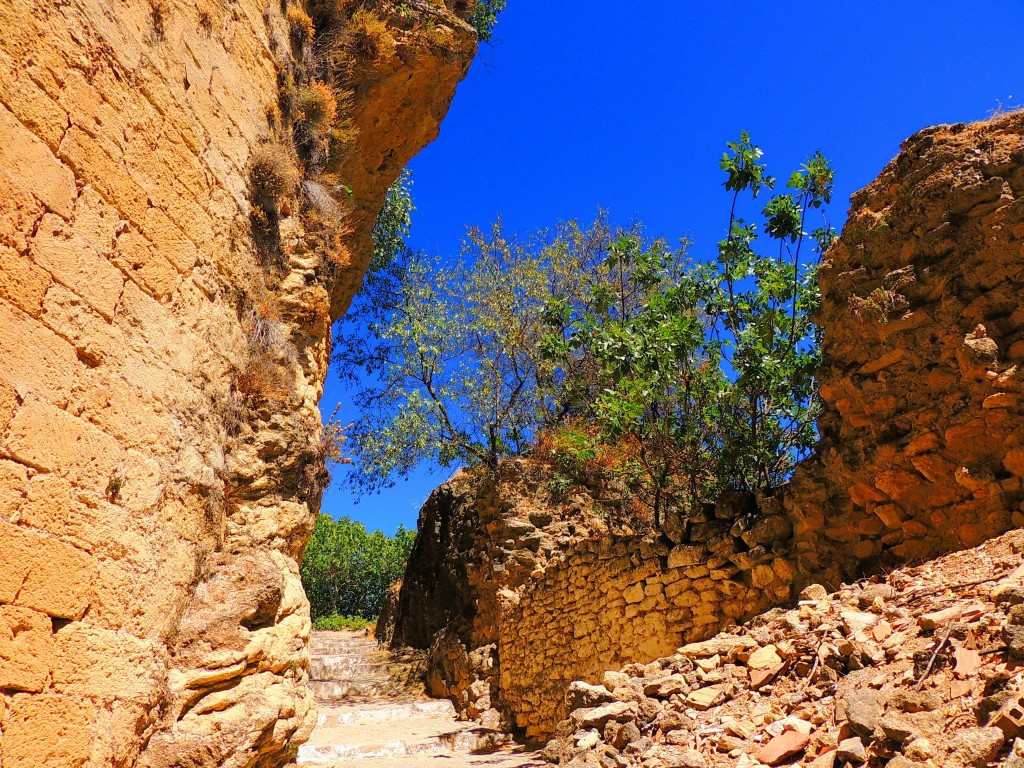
column 26, row 650
column 44, row 574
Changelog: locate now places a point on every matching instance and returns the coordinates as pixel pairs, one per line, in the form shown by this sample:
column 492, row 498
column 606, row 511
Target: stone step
column 342, row 642
column 372, row 691
column 372, row 714
column 421, row 737
column 335, row 667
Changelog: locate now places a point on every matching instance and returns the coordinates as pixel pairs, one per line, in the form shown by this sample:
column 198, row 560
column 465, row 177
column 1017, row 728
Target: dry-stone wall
column 609, row 603
column 921, row 453
column 517, row 594
column 155, row 492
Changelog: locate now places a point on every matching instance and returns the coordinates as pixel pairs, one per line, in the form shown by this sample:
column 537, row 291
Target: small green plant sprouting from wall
column 114, row 486
column 879, row 306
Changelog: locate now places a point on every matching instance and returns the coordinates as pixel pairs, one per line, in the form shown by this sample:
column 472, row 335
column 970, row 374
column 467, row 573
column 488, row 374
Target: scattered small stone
column 1016, row 757
column 598, row 717
column 727, row 743
column 873, row 592
column 852, row 750
column 581, row 695
column 689, row 758
column 588, row 739
column 790, row 724
column 708, row 664
column 959, row 688
column 881, row 631
column 664, row 687
column 1011, row 593
column 814, row 592
column 705, row 698
column 761, row 677
column 764, row 658
column 899, row 761
column 626, row 734
column 908, row 700
column 931, row 621
column 920, row 749
column 863, row 708
column 965, row 662
column 723, row 645
column 855, row 621
column 612, row 680
column 827, row 760
column 742, row 729
column 897, row 727
column 1013, row 636
column 974, row 747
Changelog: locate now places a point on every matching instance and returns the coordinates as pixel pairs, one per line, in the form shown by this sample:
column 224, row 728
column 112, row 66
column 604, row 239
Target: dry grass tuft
column 333, row 438
column 272, row 175
column 266, row 334
column 263, row 380
column 300, row 24
column 344, row 133
column 315, row 109
column 368, row 38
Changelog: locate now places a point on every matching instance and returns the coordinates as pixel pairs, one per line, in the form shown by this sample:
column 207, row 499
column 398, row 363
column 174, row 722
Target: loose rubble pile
column 922, row 668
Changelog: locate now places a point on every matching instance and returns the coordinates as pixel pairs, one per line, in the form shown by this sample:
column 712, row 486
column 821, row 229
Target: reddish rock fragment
column 967, row 662
column 783, row 746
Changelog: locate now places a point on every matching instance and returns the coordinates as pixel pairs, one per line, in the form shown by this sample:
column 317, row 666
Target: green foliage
column 447, row 359
column 336, row 622
column 347, row 571
column 484, row 16
column 708, row 369
column 393, row 224
column 683, row 378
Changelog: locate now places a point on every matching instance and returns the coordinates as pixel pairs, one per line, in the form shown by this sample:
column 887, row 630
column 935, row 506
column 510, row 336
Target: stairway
column 371, row 716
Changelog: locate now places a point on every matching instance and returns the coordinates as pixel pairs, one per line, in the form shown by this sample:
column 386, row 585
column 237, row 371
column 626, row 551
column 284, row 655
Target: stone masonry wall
column 153, row 501
column 610, row 602
column 517, row 593
column 921, row 453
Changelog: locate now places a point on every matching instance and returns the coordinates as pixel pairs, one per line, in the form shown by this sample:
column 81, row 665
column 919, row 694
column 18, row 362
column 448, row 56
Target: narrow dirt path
column 370, row 718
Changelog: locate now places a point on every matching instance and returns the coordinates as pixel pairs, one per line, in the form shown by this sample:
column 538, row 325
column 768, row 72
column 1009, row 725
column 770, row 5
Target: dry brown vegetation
column 263, row 380
column 300, row 24
column 272, row 175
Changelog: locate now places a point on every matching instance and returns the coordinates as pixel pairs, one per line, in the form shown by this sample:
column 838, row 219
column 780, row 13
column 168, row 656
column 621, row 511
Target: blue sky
column 628, row 106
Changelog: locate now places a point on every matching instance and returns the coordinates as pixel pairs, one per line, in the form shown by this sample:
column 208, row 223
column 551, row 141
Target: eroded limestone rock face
column 157, row 486
column 922, row 452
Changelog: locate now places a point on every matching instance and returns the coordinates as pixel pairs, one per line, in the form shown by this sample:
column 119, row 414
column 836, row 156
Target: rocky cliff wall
column 922, row 449
column 161, row 461
column 919, row 455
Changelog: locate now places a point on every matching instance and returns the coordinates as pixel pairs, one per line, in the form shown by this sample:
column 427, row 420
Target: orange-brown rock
column 922, row 308
column 160, row 460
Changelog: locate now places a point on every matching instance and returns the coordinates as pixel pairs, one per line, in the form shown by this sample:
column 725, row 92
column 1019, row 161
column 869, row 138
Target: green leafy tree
column 710, row 375
column 447, row 359
column 698, row 376
column 761, row 306
column 347, row 571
